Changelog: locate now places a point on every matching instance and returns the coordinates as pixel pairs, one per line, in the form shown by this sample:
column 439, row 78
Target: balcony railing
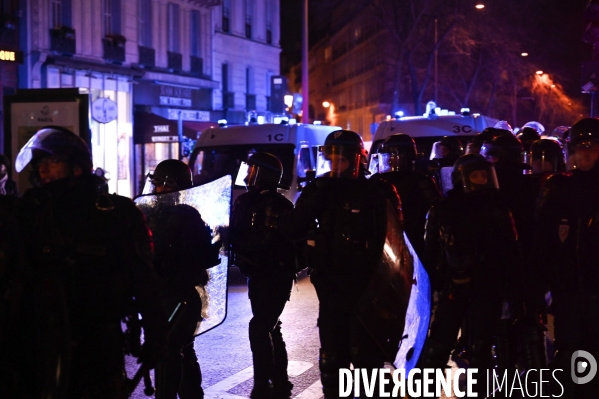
column 114, row 48
column 62, row 40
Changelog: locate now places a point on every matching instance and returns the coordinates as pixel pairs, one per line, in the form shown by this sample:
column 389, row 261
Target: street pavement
column 226, row 359
column 225, row 356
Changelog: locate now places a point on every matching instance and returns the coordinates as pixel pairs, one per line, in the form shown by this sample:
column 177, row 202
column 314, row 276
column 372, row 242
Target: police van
column 220, row 151
column 428, row 129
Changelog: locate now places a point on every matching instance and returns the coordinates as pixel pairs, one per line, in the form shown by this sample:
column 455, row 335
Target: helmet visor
column 339, row 161
column 478, row 177
column 153, row 183
column 439, row 151
column 247, row 175
column 541, row 162
column 389, row 162
column 373, row 166
column 36, row 142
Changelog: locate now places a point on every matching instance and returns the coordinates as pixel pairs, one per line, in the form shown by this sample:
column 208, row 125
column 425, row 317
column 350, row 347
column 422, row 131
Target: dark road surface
column 225, row 356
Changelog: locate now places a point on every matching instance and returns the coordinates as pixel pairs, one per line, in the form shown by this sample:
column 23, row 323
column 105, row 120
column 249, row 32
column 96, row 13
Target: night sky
column 556, row 29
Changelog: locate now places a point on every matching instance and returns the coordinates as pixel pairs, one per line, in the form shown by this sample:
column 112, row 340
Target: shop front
column 168, row 119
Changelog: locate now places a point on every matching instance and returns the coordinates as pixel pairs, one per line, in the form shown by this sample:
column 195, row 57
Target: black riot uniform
column 342, row 215
column 417, row 191
column 89, row 255
column 568, row 237
column 183, row 251
column 545, row 158
column 267, row 258
column 471, row 234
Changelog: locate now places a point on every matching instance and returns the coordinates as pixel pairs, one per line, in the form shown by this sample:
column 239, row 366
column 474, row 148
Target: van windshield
column 211, row 163
column 424, row 145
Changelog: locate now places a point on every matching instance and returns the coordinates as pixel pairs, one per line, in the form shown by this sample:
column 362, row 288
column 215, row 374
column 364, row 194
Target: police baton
column 144, row 369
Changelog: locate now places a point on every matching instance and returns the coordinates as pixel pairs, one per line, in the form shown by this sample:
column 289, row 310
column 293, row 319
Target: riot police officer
column 544, row 157
column 183, row 252
column 90, row 258
column 472, row 230
column 568, row 262
column 267, row 258
column 417, row 191
column 342, row 216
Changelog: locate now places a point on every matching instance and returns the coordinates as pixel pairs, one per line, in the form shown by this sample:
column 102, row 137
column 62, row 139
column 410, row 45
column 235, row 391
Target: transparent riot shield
column 445, row 177
column 213, row 202
column 417, row 316
column 383, row 307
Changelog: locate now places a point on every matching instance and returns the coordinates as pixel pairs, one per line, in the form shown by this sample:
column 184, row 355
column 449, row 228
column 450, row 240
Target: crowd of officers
column 495, row 231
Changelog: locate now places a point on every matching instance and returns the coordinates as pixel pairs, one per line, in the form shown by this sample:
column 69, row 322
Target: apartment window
column 268, row 21
column 112, row 17
column 226, row 15
column 225, row 77
column 173, row 27
column 145, row 23
column 195, row 31
column 250, row 98
column 249, row 14
column 60, row 13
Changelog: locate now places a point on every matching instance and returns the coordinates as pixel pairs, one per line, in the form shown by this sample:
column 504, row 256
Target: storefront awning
column 151, row 128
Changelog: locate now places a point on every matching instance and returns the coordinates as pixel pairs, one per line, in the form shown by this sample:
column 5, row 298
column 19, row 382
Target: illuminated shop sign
column 11, row 56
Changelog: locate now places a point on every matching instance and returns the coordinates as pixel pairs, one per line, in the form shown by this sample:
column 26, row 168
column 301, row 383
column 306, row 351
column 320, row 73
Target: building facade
column 350, row 82
column 160, row 63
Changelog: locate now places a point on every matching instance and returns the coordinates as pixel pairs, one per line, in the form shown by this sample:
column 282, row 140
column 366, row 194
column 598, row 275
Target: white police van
column 220, row 151
column 428, row 129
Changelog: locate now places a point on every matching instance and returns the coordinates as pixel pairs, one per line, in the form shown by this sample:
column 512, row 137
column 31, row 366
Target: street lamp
column 326, row 104
column 524, row 54
column 479, row 6
column 539, row 72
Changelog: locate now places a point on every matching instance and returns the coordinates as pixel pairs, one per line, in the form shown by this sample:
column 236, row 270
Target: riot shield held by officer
column 267, row 258
column 568, row 236
column 89, row 255
column 416, row 190
column 470, row 234
column 183, row 253
column 342, row 216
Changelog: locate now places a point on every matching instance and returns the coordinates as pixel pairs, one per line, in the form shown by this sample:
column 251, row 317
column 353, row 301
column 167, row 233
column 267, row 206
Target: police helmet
column 527, row 136
column 171, row 174
column 448, row 148
column 262, row 170
column 536, row 126
column 344, row 152
column 546, row 155
column 57, row 142
column 473, row 172
column 397, row 154
column 473, row 147
column 503, row 150
column 583, row 133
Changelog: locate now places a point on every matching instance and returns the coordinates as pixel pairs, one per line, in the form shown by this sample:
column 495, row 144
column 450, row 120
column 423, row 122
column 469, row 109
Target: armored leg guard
column 532, row 342
column 481, row 357
column 434, row 355
column 262, row 352
column 191, row 375
column 280, row 380
column 505, row 346
column 329, row 363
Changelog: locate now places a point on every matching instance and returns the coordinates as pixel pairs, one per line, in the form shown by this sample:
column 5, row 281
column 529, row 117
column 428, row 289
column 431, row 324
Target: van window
column 211, row 163
column 424, row 145
column 307, row 159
